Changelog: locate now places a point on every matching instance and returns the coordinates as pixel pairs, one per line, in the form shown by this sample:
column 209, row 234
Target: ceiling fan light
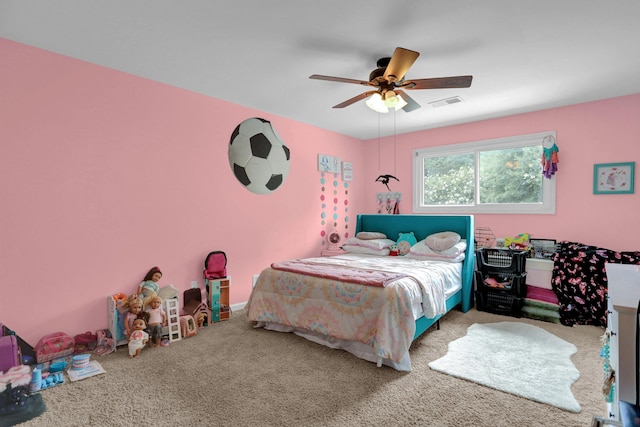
column 401, row 103
column 376, row 103
column 390, row 99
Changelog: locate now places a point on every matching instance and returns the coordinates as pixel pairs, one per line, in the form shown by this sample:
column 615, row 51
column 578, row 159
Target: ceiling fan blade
column 439, row 83
column 411, row 103
column 339, row 79
column 355, row 99
column 399, row 64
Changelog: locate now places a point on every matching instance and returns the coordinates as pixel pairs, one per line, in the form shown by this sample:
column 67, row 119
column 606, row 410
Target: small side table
column 332, row 252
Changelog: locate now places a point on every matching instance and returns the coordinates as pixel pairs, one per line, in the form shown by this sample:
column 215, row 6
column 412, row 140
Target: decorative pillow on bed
column 405, row 242
column 454, row 254
column 443, row 240
column 353, row 249
column 369, row 235
column 370, row 243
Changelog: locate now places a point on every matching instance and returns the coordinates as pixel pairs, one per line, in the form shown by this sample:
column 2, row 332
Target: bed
column 371, row 306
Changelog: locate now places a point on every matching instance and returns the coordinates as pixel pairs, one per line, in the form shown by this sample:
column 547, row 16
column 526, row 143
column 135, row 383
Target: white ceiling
column 524, row 55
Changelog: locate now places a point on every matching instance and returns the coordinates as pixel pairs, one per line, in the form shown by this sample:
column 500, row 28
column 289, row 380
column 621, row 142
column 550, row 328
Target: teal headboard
column 422, row 226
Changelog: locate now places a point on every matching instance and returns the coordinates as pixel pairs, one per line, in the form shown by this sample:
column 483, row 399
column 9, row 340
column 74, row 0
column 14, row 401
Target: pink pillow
column 454, row 254
column 369, row 235
column 370, row 243
column 353, row 249
column 442, row 241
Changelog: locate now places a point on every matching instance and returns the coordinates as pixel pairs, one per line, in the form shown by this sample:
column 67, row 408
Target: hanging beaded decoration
column 549, row 156
column 330, row 196
column 609, row 372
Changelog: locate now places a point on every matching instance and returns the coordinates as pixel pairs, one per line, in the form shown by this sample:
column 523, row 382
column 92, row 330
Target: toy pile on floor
column 26, row 371
column 17, row 403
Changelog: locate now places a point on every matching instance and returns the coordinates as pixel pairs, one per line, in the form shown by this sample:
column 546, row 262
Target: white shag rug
column 516, row 358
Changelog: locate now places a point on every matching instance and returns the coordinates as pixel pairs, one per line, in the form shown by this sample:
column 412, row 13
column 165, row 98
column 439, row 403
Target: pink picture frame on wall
column 613, row 178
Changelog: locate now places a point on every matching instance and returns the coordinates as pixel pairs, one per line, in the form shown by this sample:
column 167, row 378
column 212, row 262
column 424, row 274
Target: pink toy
column 188, row 326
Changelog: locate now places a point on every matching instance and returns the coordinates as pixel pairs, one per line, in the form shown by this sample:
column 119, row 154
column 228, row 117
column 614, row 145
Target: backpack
column 105, row 343
column 215, row 265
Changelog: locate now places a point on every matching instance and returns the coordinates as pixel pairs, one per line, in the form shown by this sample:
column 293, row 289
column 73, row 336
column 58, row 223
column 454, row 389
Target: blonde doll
column 157, row 318
column 135, row 312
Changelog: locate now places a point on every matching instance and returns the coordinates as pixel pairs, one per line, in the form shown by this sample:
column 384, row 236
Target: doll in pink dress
column 135, row 312
column 138, row 338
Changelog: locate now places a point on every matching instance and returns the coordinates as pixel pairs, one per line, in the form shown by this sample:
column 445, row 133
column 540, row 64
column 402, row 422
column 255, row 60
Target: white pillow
column 352, row 249
column 371, row 243
column 454, row 254
column 369, row 235
column 442, row 241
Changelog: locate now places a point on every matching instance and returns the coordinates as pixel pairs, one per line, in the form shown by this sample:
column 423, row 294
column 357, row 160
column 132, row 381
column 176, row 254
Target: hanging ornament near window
column 549, row 156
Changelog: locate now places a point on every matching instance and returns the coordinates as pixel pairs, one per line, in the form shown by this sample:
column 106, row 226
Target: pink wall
column 597, row 132
column 104, row 175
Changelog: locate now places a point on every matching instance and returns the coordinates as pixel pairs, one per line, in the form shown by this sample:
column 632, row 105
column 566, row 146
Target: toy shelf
column 115, row 319
column 219, row 294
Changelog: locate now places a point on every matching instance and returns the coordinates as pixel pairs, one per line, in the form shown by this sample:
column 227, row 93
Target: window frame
column 546, row 207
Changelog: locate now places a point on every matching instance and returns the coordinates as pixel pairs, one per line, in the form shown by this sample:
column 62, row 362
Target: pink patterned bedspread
column 360, row 276
column 380, row 317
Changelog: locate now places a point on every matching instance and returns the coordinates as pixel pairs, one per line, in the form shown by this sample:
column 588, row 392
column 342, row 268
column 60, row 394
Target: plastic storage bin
column 500, row 281
column 507, row 297
column 500, row 261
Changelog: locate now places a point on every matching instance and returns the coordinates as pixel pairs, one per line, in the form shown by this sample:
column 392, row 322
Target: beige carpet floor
column 231, row 374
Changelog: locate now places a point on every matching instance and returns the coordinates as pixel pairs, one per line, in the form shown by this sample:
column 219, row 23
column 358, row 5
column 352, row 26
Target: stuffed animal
column 200, row 319
column 405, row 242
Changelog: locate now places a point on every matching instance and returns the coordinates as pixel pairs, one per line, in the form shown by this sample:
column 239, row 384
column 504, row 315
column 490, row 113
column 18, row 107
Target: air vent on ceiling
column 447, row 101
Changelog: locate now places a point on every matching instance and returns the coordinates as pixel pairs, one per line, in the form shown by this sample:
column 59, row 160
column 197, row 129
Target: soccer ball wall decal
column 258, row 157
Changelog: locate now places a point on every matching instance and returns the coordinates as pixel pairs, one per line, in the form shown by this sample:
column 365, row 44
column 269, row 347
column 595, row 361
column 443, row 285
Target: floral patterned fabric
column 382, row 318
column 580, row 281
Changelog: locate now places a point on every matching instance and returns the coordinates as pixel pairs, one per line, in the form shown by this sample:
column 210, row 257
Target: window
column 494, row 176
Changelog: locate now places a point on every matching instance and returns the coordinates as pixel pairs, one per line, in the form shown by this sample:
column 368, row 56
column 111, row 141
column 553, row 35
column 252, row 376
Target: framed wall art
column 347, row 171
column 613, row 178
column 543, row 248
column 328, row 163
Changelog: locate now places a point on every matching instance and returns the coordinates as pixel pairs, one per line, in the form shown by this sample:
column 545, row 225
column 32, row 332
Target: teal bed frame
column 422, row 226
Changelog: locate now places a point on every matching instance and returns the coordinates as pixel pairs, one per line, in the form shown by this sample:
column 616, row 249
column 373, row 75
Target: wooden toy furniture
column 188, row 326
column 194, row 306
column 219, row 294
column 173, row 319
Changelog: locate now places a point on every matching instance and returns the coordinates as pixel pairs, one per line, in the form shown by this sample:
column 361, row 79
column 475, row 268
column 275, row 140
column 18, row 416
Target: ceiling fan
column 389, row 80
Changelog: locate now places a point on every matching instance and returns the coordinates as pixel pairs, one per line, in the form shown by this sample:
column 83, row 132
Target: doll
column 149, row 287
column 135, row 312
column 157, row 318
column 138, row 338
